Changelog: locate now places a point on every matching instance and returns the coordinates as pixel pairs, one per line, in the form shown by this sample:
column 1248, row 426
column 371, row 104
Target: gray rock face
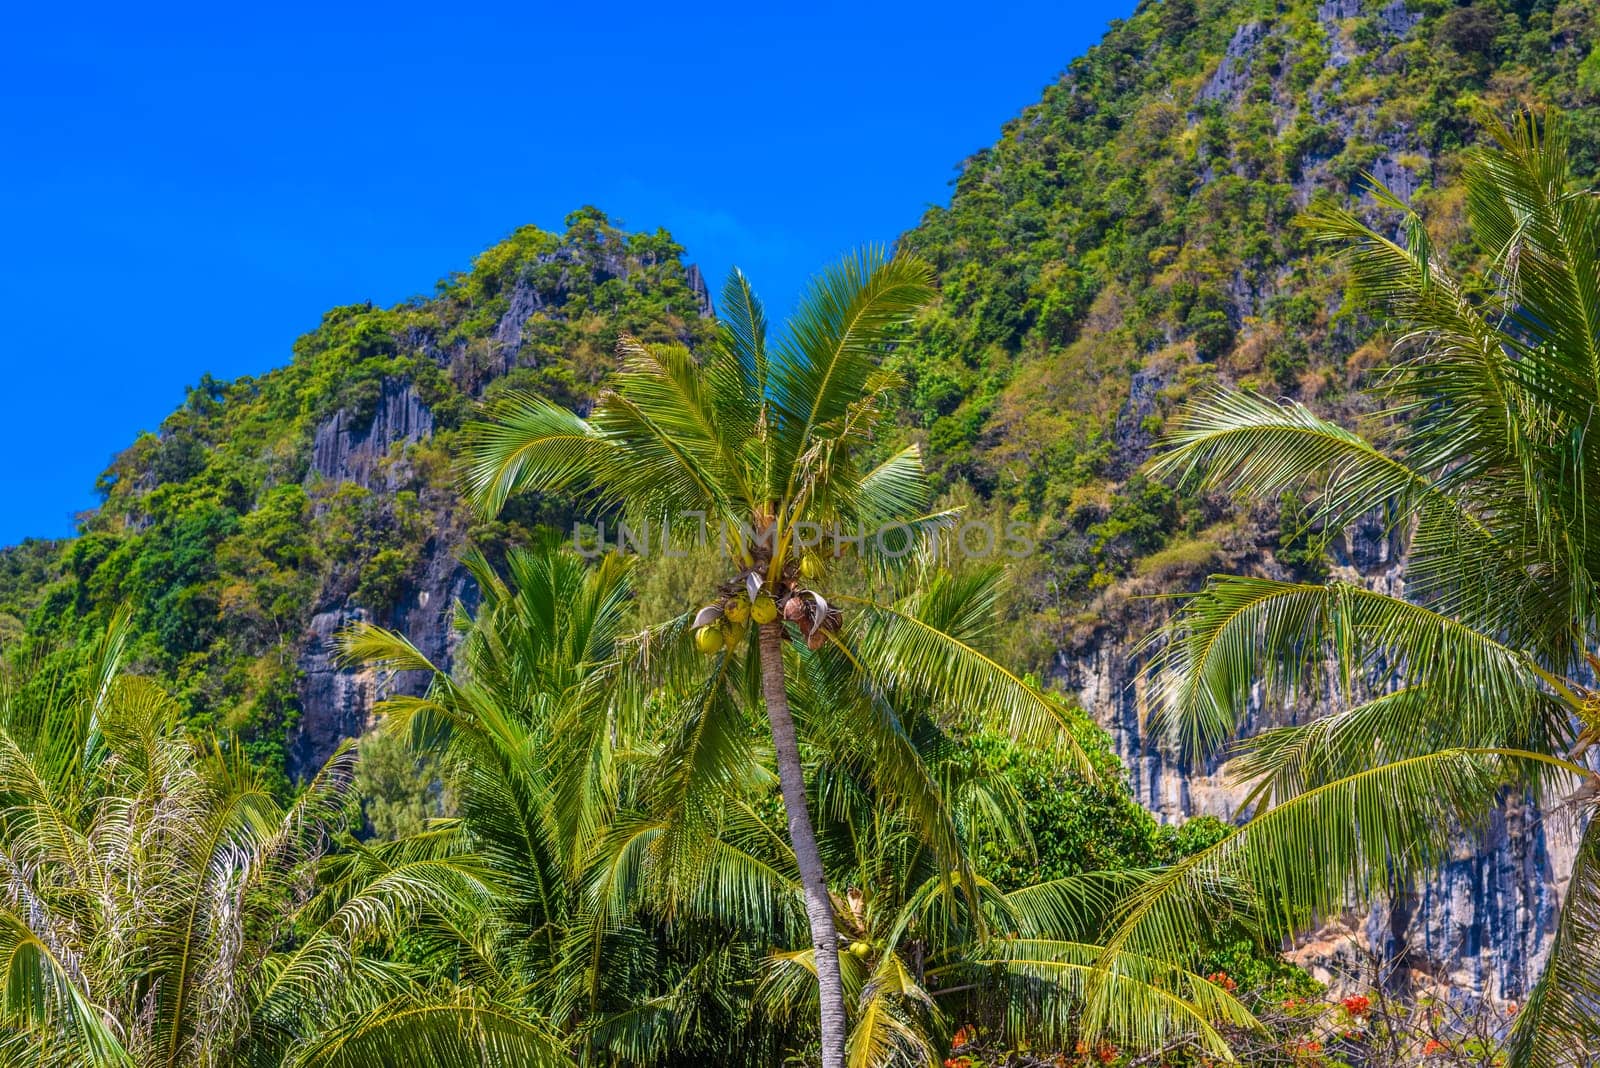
column 526, row 300
column 1488, row 918
column 426, row 610
column 347, row 448
column 1397, row 20
column 702, row 295
column 1232, row 75
column 336, row 701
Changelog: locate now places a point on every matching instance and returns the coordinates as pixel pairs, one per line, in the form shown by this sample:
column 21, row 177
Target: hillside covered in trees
column 1129, row 242
column 1133, row 239
column 326, row 487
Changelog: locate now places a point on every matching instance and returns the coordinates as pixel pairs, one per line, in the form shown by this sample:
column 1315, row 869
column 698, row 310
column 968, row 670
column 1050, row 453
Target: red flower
column 1223, row 980
column 1357, row 1005
column 961, row 1039
column 1106, row 1053
column 1432, row 1046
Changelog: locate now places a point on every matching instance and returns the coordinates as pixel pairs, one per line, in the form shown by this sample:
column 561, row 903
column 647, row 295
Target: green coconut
column 708, row 639
column 764, row 610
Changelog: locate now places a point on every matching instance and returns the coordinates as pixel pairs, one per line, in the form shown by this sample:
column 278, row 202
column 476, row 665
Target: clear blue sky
column 185, row 190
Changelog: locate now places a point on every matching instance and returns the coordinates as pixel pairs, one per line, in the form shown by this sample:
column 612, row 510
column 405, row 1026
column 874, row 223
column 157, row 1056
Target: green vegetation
column 774, row 450
column 227, row 537
column 793, row 802
column 1132, row 239
column 623, row 877
column 159, row 906
column 650, row 900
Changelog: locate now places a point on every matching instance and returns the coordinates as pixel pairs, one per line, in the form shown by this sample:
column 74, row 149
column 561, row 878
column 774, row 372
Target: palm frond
column 1559, row 1027
column 1123, row 997
column 435, row 1033
column 1347, row 842
column 38, row 990
column 1239, row 632
column 899, row 647
column 527, row 442
column 835, row 342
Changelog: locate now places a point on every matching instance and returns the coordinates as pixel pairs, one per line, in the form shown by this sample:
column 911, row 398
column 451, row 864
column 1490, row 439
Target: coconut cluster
column 749, row 598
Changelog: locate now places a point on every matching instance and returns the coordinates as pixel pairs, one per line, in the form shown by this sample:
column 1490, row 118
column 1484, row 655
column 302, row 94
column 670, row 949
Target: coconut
column 794, row 609
column 737, row 609
column 811, row 566
column 708, row 639
column 763, row 610
column 733, row 634
column 860, row 949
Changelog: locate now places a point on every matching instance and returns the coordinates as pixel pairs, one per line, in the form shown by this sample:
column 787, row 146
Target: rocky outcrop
column 348, row 447
column 1232, row 75
column 697, row 286
column 336, row 701
column 367, row 448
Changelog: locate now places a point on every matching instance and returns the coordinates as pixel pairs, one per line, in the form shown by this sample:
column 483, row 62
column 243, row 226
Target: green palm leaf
column 1560, row 1024
column 435, row 1033
column 1346, row 842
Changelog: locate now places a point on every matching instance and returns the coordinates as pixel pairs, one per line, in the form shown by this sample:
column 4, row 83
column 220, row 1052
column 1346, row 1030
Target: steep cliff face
column 368, row 453
column 1483, row 924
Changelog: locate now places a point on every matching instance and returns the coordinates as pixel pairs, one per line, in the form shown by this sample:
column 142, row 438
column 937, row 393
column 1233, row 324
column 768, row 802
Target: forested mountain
column 268, row 512
column 1129, row 240
column 1133, row 240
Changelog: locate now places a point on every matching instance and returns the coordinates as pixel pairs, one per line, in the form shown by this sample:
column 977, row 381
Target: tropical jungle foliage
column 573, row 842
column 656, row 912
column 158, row 906
column 772, row 449
column 1132, row 239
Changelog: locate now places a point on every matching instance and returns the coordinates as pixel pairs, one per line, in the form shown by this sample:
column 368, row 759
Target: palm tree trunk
column 819, row 907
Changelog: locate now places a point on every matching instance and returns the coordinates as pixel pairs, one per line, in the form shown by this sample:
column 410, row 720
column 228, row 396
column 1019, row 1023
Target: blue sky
column 186, row 189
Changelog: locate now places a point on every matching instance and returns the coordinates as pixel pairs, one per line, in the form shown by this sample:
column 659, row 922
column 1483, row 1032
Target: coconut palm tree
column 605, row 923
column 158, row 906
column 784, row 454
column 641, row 941
column 1485, row 462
